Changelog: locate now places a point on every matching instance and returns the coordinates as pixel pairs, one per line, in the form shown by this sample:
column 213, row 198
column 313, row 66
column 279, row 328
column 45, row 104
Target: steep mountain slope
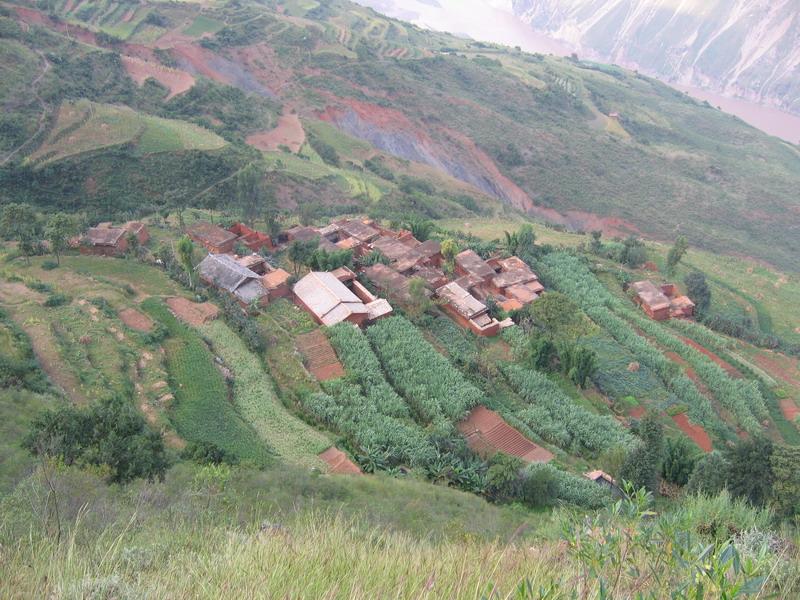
column 340, row 106
column 743, row 48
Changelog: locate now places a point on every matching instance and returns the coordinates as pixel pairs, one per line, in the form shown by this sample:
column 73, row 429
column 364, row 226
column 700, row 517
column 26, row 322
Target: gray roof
column 460, row 299
column 328, row 298
column 222, row 271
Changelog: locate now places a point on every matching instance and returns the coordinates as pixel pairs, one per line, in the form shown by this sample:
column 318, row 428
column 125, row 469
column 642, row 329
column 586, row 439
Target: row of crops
column 410, row 420
column 570, row 275
column 434, row 388
column 256, row 400
column 741, row 397
column 559, row 420
column 201, row 412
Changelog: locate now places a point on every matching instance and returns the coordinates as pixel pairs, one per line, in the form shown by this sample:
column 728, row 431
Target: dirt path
column 42, row 118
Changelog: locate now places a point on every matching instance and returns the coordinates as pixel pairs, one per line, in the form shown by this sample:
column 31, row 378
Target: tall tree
column 680, row 456
column 249, row 193
column 676, row 253
column 185, row 249
column 750, row 474
column 59, row 229
column 643, row 462
column 697, row 289
column 20, row 222
column 710, row 474
column 449, row 251
column 301, row 253
column 785, row 463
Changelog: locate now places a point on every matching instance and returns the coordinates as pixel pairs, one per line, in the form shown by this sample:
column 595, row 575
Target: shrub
column 56, row 299
column 49, row 265
column 109, row 433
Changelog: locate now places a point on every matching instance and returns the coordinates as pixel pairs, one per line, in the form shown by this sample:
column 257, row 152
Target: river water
column 488, row 21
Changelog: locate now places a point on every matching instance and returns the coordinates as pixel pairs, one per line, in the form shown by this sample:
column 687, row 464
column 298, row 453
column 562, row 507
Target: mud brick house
column 487, row 433
column 424, row 254
column 515, row 280
column 306, row 234
column 222, row 272
column 467, row 310
column 107, row 240
column 138, row 229
column 662, row 303
column 276, row 282
column 252, row 239
column 469, row 263
column 330, row 301
column 652, row 300
column 215, row 239
column 388, row 281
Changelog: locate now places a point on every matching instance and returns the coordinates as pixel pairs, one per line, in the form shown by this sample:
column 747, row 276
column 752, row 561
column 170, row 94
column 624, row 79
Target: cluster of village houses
column 338, row 296
column 332, row 297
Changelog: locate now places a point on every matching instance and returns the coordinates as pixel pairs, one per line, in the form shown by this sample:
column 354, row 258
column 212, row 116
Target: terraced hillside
column 482, row 126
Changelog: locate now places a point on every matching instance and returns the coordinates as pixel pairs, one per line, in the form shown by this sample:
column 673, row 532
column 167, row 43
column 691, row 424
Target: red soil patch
column 136, row 320
column 128, row 15
column 789, row 409
column 731, row 370
column 175, row 80
column 34, row 17
column 192, row 313
column 289, row 132
column 637, row 412
column 695, row 432
column 338, row 462
column 260, row 60
column 451, row 146
column 486, row 433
column 320, row 358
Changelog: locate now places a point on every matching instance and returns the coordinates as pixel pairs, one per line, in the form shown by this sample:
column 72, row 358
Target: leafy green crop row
column 255, row 398
column 570, row 275
column 741, row 397
column 555, row 417
column 345, row 409
column 435, row 390
column 355, row 352
column 202, row 412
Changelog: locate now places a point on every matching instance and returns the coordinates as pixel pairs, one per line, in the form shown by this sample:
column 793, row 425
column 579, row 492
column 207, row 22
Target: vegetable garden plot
column 432, row 386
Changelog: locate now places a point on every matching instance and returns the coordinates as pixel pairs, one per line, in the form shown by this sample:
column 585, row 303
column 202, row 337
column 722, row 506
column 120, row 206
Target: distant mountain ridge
column 744, row 48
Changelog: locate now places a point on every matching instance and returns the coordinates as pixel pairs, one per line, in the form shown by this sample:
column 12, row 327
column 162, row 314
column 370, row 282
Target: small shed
column 104, row 240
